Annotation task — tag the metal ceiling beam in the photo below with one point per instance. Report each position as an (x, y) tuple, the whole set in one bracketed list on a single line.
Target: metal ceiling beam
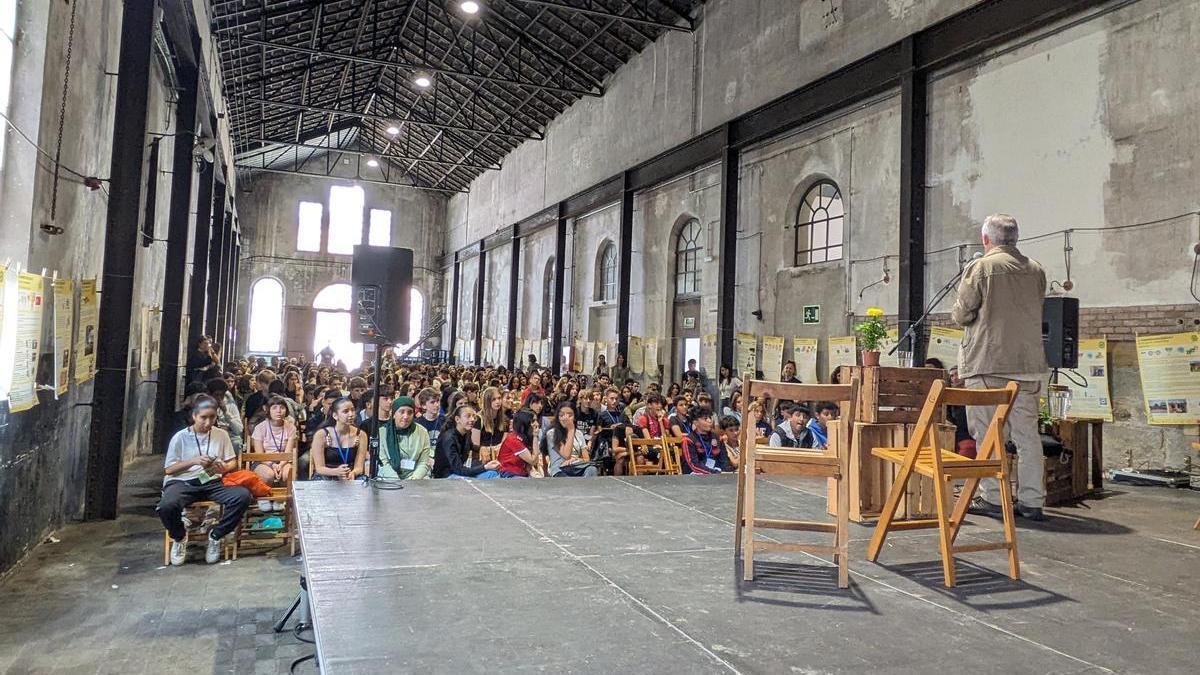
[(366, 60), (357, 179), (386, 118), (609, 15), (346, 151)]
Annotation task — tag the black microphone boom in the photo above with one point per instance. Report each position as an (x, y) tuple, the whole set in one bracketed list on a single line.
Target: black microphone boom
[(912, 327)]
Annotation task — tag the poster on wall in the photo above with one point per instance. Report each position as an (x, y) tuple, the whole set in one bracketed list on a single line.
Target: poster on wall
[(651, 358), (578, 347), (636, 355), (943, 345), (1170, 368), (544, 353), (746, 352), (1089, 397), (85, 339), (155, 337), (708, 355), (843, 351), (64, 317), (804, 353), (885, 346), (589, 357), (772, 357), (144, 343), (30, 301)]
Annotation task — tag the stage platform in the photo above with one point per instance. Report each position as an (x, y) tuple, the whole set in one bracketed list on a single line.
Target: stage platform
[(636, 575)]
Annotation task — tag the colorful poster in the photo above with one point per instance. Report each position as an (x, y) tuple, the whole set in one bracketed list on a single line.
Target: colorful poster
[(637, 362), (1089, 396), (30, 300), (1170, 368), (708, 355), (64, 318), (651, 357), (943, 345), (893, 336), (843, 351), (746, 352), (772, 357), (85, 339), (804, 353)]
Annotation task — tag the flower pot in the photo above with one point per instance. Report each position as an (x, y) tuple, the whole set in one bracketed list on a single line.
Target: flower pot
[(870, 358)]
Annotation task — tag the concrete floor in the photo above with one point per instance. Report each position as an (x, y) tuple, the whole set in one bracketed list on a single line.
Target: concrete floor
[(621, 575)]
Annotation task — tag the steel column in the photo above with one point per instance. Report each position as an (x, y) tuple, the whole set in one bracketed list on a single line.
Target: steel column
[(199, 283), (556, 323), (514, 290), (480, 288), (624, 267), (216, 236), (726, 329), (127, 175), (454, 302), (913, 127)]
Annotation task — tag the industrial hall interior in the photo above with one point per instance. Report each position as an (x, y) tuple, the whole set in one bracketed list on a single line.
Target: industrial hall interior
[(868, 329)]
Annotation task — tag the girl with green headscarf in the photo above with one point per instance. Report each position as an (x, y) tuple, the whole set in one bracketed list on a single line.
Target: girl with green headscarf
[(404, 448)]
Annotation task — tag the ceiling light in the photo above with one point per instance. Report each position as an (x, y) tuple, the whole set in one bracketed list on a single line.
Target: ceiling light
[(422, 80), (372, 162), (469, 7), (393, 130)]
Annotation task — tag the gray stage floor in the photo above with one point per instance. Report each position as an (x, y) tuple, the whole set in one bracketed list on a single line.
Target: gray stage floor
[(637, 575)]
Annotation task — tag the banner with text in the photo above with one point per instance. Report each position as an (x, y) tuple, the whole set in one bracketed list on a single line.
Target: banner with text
[(1170, 368)]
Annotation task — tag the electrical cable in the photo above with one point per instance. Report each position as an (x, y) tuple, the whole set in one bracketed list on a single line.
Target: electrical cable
[(302, 659), (47, 154)]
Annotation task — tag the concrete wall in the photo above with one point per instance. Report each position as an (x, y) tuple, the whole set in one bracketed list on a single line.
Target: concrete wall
[(269, 217)]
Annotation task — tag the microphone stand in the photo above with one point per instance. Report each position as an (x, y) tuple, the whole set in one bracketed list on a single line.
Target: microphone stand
[(942, 293)]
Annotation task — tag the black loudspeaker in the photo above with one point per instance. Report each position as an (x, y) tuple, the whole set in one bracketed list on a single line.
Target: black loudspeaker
[(1060, 331), (382, 278)]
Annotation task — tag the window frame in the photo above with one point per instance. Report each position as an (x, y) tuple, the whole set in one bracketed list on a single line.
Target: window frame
[(606, 273), (803, 257), (687, 260), (255, 310), (371, 227), (354, 240)]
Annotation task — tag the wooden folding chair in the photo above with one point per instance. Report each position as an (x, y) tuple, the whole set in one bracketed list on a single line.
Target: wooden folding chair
[(672, 449), (196, 512), (638, 448), (243, 534), (925, 457), (829, 463)]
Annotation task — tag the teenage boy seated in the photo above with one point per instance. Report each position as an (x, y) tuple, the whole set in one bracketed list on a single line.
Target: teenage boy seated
[(793, 432), (731, 430), (429, 412), (702, 451), (678, 420), (827, 413)]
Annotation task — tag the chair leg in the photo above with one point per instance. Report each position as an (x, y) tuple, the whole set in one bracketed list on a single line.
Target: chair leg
[(748, 519), (1010, 533), (738, 509), (166, 549), (843, 532), (1197, 525), (941, 488), (889, 511), (960, 507)]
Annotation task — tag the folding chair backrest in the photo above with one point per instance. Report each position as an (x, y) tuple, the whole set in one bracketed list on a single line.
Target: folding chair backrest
[(940, 395), (672, 449), (245, 459), (844, 395)]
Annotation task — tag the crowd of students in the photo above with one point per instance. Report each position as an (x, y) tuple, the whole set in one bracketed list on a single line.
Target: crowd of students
[(446, 422)]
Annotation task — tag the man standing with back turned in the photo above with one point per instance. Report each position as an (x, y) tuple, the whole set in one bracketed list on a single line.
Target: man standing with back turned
[(999, 306)]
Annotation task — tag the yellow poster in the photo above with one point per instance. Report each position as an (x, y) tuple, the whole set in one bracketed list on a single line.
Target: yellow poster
[(843, 351), (651, 357), (1089, 396), (772, 357), (893, 336), (85, 339), (30, 301), (64, 317), (943, 345), (804, 353), (637, 361), (708, 355), (746, 352), (1170, 369)]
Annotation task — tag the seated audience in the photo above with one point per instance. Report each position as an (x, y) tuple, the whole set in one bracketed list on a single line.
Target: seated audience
[(731, 430), (229, 418), (404, 447), (727, 383), (702, 451), (454, 448), (793, 432), (818, 426), (431, 417), (492, 424), (518, 451), (274, 435), (678, 419), (734, 409), (568, 448), (339, 449)]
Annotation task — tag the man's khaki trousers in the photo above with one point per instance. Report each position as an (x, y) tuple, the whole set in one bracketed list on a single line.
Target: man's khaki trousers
[(1022, 430)]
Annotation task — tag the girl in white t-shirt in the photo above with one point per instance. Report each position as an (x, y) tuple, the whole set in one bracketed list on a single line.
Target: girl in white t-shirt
[(276, 435)]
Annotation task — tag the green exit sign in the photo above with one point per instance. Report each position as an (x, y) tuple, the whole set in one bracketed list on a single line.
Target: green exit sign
[(812, 314)]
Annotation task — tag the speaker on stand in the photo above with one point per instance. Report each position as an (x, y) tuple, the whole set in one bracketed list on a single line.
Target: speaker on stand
[(1060, 340)]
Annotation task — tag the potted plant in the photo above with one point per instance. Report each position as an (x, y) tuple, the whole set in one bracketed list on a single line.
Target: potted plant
[(870, 335)]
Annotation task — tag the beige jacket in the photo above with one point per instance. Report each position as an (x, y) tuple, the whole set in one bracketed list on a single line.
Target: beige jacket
[(999, 306)]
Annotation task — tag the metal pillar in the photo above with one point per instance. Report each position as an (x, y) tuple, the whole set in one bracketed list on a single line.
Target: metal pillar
[(480, 288), (556, 324), (127, 175), (726, 329), (624, 267), (454, 301), (178, 229), (913, 127), (514, 289), (216, 236), (199, 285)]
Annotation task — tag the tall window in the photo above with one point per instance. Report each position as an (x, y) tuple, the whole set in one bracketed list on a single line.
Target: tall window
[(548, 298), (687, 258), (266, 317), (819, 222), (8, 32), (345, 219), (606, 273), (333, 325), (416, 321), (380, 232), (308, 231)]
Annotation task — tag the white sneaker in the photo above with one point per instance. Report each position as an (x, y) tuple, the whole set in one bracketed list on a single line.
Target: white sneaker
[(212, 554), (264, 505), (178, 552)]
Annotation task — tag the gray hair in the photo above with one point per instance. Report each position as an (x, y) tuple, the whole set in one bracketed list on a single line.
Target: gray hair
[(1001, 229)]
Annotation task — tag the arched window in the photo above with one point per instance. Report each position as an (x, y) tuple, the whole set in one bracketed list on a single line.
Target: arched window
[(332, 328), (345, 219), (548, 299), (416, 321), (819, 222), (687, 258), (266, 317), (606, 272)]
